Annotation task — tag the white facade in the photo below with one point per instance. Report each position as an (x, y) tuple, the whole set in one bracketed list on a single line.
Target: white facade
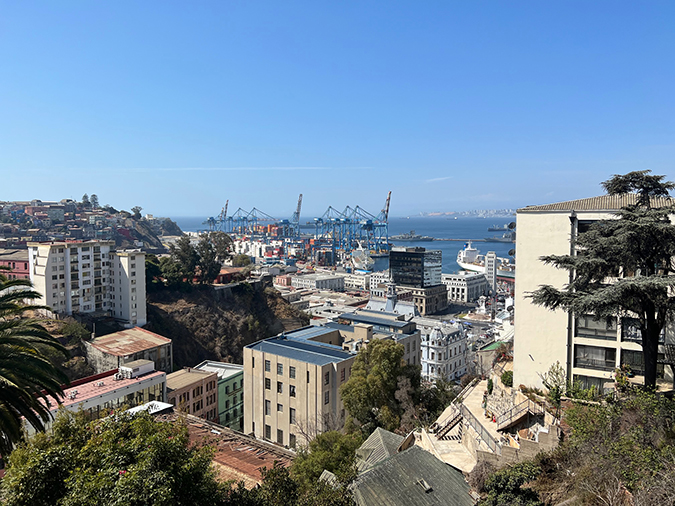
[(319, 282), (443, 354), (491, 269), (588, 350), (88, 277), (357, 281), (465, 286)]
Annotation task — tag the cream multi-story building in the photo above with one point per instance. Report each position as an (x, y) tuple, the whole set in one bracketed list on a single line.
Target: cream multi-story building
[(589, 350), (194, 391), (465, 286), (291, 385), (90, 277)]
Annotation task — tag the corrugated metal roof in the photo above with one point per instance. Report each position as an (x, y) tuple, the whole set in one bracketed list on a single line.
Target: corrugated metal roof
[(356, 317), (380, 445), (601, 203), (413, 476), (129, 341), (222, 369), (309, 332), (304, 351)]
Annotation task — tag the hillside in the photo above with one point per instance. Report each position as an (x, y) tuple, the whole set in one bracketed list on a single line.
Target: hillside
[(205, 324)]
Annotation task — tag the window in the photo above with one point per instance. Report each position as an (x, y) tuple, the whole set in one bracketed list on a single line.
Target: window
[(326, 397), (268, 408), (594, 357), (227, 389), (253, 362), (342, 374), (280, 387), (268, 432), (291, 390), (586, 326), (268, 384), (635, 359), (307, 376), (227, 404), (280, 369), (280, 408), (292, 415), (291, 440), (291, 372), (326, 378), (268, 366), (280, 436)]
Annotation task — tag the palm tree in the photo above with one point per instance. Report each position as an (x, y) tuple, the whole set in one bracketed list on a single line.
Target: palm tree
[(27, 378)]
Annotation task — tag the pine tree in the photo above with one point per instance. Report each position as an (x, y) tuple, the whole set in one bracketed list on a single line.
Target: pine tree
[(623, 266)]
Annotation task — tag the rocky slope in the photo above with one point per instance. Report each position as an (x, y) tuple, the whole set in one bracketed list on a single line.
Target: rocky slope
[(204, 325)]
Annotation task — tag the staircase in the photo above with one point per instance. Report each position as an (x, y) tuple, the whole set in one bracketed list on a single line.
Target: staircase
[(454, 420), (516, 413)]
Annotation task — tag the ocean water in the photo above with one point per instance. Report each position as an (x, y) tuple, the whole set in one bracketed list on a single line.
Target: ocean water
[(463, 228)]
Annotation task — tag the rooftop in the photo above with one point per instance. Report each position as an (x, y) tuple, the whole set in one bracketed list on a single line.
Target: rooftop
[(185, 377), (601, 203), (222, 369), (20, 255), (373, 320), (306, 333), (99, 385), (237, 457), (129, 341), (412, 476), (304, 351)]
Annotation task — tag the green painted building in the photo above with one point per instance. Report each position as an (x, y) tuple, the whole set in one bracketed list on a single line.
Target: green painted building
[(230, 392)]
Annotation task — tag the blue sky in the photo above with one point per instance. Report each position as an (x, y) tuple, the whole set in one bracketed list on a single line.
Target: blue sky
[(178, 106)]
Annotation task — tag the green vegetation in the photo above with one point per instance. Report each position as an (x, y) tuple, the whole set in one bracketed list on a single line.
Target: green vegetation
[(137, 460), (635, 250), (614, 453), (490, 386), (332, 451), (27, 376), (507, 378), (119, 459), (241, 260), (383, 391), (506, 486)]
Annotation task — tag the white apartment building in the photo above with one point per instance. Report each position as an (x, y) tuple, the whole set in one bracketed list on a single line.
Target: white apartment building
[(357, 281), (89, 277), (589, 350), (319, 282), (465, 286)]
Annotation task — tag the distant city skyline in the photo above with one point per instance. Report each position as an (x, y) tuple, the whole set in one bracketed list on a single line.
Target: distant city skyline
[(452, 106)]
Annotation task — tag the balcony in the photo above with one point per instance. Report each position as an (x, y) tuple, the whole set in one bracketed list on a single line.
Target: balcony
[(591, 363)]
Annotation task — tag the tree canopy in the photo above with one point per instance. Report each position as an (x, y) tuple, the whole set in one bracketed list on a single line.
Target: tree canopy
[(332, 451), (121, 459), (370, 394), (623, 266)]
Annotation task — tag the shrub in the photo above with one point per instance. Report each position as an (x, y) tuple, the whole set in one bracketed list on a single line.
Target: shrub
[(507, 378), (490, 386)]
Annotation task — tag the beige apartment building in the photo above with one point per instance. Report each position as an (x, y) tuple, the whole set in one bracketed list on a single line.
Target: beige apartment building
[(589, 350), (291, 385), (90, 277), (195, 392)]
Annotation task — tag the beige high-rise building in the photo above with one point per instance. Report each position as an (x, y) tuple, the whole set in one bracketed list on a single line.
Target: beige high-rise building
[(589, 350), (291, 385), (90, 277)]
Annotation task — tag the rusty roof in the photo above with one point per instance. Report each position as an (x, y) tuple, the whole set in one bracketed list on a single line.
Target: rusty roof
[(237, 456), (601, 203), (129, 341)]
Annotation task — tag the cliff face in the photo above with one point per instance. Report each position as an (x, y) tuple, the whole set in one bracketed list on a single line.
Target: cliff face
[(206, 324)]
